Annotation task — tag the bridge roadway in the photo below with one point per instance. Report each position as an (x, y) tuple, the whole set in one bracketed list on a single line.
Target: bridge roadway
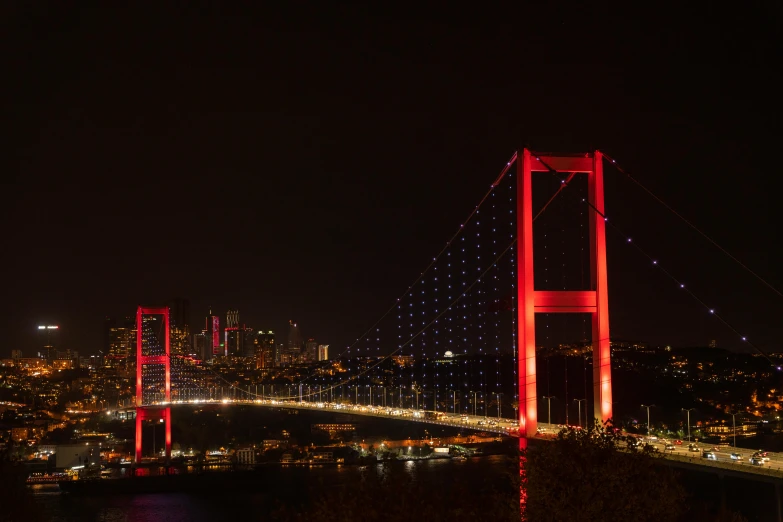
[(771, 470), (499, 425)]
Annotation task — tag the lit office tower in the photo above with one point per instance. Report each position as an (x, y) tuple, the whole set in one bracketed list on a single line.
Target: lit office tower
[(323, 352), (212, 330), (179, 313), (294, 338), (49, 340), (266, 355), (113, 332), (239, 341), (179, 339), (122, 345), (248, 338), (311, 350), (238, 338), (201, 346), (292, 352)]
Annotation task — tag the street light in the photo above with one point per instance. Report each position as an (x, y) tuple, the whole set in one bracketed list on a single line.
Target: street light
[(734, 428), (580, 401), (689, 410), (499, 394), (648, 417), (549, 409)]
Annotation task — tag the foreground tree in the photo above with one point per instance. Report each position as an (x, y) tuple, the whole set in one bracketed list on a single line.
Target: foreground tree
[(16, 501), (598, 474)]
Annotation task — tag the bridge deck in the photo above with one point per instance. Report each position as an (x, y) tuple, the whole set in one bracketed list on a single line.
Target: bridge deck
[(770, 471)]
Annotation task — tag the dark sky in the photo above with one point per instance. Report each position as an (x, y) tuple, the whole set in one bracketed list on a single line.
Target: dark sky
[(306, 163)]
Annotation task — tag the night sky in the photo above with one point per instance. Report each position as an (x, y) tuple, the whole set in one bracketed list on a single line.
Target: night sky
[(306, 163)]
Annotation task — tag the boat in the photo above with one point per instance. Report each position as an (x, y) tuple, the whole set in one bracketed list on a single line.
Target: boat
[(459, 457)]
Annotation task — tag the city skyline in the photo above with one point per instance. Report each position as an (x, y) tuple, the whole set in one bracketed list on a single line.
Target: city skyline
[(292, 168)]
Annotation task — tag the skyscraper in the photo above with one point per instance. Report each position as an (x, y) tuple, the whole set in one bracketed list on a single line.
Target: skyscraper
[(202, 346), (179, 313), (112, 328), (179, 317), (212, 330), (122, 345), (311, 351), (49, 339), (238, 338), (266, 353), (323, 352), (293, 348)]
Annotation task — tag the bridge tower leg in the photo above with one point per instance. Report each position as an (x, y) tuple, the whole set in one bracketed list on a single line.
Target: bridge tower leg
[(157, 412), (530, 301), (602, 361)]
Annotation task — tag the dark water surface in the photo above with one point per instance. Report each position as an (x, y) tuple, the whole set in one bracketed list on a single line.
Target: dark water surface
[(237, 498)]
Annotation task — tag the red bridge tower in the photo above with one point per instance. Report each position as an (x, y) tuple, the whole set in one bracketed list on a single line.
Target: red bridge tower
[(531, 301), (157, 412)]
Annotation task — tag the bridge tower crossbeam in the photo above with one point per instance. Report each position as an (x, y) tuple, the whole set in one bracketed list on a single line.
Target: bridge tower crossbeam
[(531, 301)]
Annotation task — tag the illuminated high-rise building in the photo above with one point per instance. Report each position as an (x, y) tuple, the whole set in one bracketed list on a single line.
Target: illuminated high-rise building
[(293, 347), (119, 340), (201, 345), (323, 352), (179, 317), (311, 351), (179, 313), (239, 341), (122, 345), (266, 352), (49, 334), (212, 329), (180, 340), (238, 338)]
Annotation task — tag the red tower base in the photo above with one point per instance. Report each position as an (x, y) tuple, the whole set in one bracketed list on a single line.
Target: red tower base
[(154, 413)]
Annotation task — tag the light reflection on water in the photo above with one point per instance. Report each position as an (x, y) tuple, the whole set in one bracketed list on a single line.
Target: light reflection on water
[(226, 504)]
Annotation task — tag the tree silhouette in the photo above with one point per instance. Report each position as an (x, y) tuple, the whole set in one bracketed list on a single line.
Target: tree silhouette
[(598, 474)]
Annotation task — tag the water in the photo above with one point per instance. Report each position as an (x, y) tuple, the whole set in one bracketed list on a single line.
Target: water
[(294, 487), (477, 483)]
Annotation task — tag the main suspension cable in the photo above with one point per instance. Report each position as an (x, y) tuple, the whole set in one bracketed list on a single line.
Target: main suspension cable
[(655, 263), (694, 227)]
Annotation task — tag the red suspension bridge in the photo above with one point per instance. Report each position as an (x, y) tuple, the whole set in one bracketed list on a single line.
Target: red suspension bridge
[(459, 346)]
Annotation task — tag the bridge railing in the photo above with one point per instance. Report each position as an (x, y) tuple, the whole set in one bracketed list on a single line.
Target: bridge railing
[(771, 470)]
